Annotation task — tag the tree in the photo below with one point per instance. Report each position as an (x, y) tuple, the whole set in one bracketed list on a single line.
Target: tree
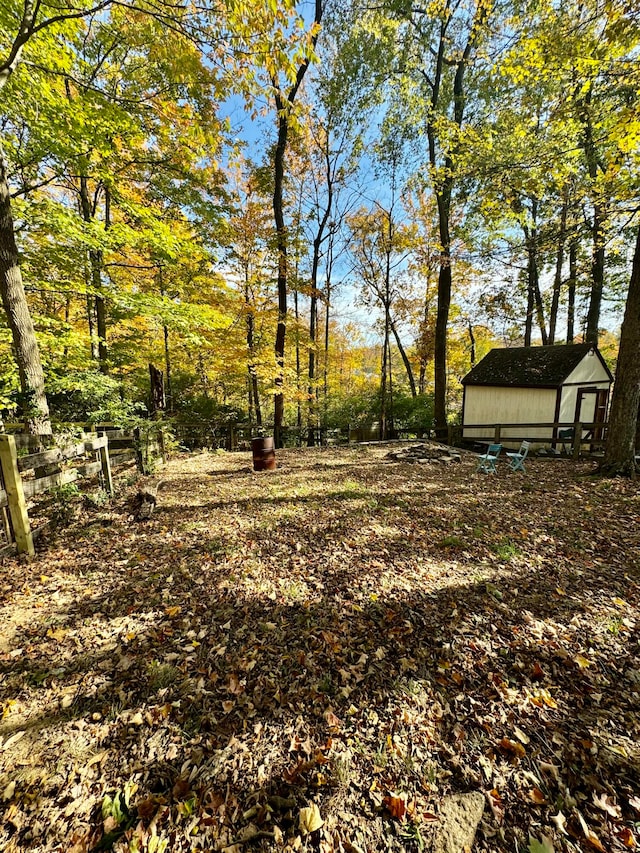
[(380, 246), (14, 301), (253, 260), (442, 42), (284, 96), (619, 454)]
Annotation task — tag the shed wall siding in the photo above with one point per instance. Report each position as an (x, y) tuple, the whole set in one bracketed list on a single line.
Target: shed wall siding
[(589, 370), (494, 405)]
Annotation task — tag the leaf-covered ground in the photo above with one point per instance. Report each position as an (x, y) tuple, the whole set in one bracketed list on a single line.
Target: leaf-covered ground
[(312, 659)]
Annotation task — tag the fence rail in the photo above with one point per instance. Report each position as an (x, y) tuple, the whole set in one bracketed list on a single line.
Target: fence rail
[(576, 434), (56, 460)]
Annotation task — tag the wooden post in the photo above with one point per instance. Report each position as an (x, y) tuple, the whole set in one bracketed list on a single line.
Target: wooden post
[(105, 461), (496, 433), (15, 495), (577, 439)]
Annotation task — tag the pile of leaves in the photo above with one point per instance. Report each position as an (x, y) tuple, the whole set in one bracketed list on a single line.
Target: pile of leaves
[(316, 658)]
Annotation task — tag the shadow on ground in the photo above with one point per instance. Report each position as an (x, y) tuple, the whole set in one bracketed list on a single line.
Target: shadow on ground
[(334, 639)]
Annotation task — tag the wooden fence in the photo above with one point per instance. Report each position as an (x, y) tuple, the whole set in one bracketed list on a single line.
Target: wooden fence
[(23, 477), (574, 435), (27, 470)]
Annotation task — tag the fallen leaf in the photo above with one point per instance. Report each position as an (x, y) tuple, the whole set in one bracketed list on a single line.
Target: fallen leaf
[(57, 634), (561, 822), (537, 672), (607, 804), (512, 747), (67, 700), (13, 739), (181, 789), (536, 796), (332, 721), (310, 819), (582, 661), (396, 806), (626, 836), (590, 835), (148, 807)]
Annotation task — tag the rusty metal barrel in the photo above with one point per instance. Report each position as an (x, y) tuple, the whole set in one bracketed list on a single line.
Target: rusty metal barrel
[(264, 454)]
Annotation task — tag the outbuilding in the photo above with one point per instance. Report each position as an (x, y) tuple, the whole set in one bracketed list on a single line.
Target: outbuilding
[(524, 389)]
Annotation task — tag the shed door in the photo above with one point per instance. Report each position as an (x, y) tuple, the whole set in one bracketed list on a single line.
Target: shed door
[(591, 408)]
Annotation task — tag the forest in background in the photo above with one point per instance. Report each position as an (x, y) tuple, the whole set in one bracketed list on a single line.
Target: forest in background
[(306, 215)]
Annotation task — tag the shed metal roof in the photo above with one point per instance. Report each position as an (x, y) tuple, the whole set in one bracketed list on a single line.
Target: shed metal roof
[(542, 367)]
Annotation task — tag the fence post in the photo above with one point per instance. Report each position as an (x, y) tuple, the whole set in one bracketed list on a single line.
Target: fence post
[(577, 439), (105, 462), (497, 429), (15, 495)]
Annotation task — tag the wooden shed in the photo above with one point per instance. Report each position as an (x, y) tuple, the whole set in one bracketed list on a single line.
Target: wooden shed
[(535, 386)]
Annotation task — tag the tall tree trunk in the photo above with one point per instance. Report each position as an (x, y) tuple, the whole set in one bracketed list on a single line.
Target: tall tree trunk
[(424, 347), (281, 245), (284, 105), (87, 208), (619, 454), (312, 414), (598, 224), (557, 279), (597, 273), (91, 323), (472, 343), (390, 431), (440, 348), (528, 323), (382, 427), (254, 392), (167, 354), (534, 296), (422, 377), (443, 192), (298, 372), (571, 289), (327, 307), (158, 399), (14, 301), (405, 360)]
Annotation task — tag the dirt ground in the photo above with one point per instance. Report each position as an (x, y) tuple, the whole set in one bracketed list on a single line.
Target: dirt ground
[(316, 658)]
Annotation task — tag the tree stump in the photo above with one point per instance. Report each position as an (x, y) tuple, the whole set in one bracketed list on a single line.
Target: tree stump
[(145, 501)]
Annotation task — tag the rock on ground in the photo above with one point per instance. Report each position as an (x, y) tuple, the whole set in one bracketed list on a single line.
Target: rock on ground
[(460, 815)]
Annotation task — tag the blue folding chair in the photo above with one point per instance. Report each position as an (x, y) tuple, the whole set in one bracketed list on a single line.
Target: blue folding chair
[(516, 460), (487, 461)]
